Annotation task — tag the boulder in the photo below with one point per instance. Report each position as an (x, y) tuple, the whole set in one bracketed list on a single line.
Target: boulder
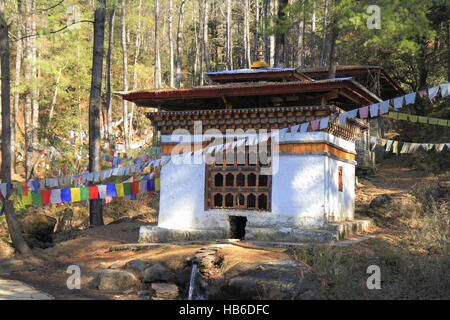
[(382, 201), (10, 265), (275, 280), (116, 280), (6, 251), (164, 291), (38, 229), (158, 272), (136, 265)]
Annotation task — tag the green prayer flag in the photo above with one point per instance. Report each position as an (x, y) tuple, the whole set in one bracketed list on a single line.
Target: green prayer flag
[(84, 193), (423, 119), (36, 197), (393, 115), (402, 116), (433, 120), (127, 188), (412, 118)]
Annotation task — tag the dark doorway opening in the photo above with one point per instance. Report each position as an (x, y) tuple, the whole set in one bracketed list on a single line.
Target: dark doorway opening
[(237, 227)]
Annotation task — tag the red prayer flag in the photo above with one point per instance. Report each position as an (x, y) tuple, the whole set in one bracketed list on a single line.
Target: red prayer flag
[(135, 187), (25, 188), (46, 196), (93, 193)]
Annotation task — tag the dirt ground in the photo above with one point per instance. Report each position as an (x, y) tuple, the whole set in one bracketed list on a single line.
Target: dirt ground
[(91, 250)]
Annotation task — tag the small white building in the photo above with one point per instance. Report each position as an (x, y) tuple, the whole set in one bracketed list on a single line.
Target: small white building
[(294, 187)]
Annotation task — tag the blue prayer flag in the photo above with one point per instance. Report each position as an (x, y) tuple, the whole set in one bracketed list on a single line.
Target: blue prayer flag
[(65, 195), (150, 185), (111, 190)]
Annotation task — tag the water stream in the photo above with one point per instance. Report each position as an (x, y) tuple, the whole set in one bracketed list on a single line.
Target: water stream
[(192, 282)]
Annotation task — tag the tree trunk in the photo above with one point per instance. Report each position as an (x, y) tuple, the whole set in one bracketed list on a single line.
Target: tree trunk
[(265, 36), (157, 48), (136, 55), (171, 52), (272, 38), (55, 95), (35, 91), (18, 67), (11, 220), (448, 50), (257, 26), (324, 30), (205, 35), (332, 59), (125, 77), (109, 132), (96, 207), (200, 50), (229, 37), (279, 50), (313, 36), (247, 58), (179, 44), (28, 126)]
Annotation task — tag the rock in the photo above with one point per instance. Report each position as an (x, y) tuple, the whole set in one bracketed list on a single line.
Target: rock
[(128, 291), (38, 230), (182, 276), (275, 280), (136, 265), (6, 250), (116, 280), (164, 291), (8, 265), (116, 265), (381, 202), (158, 272)]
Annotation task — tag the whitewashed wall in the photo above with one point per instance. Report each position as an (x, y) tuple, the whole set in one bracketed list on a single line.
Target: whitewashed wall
[(304, 192)]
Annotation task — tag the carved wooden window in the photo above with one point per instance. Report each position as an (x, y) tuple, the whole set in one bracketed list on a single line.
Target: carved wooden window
[(238, 182)]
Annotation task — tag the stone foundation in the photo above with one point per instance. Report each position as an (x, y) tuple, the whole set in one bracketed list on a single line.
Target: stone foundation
[(328, 233)]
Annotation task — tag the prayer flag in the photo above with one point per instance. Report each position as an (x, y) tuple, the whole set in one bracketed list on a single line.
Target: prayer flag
[(364, 112), (432, 92), (93, 192), (127, 188), (324, 122), (150, 185), (111, 189), (65, 195), (374, 110), (398, 103), (119, 190), (410, 98), (36, 198), (75, 194), (384, 107), (102, 192), (46, 196), (84, 193), (55, 196), (315, 124), (157, 184), (135, 188)]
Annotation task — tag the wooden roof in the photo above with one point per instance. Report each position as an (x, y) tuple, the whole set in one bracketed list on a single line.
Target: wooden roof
[(389, 88), (260, 74), (342, 92)]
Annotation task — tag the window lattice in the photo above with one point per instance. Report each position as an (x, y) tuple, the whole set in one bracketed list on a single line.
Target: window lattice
[(238, 183)]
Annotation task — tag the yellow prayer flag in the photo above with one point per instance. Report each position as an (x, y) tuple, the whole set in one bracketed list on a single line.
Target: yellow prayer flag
[(157, 184), (26, 199), (75, 193), (119, 190)]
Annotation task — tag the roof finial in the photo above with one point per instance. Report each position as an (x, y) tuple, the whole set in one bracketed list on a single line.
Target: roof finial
[(259, 65)]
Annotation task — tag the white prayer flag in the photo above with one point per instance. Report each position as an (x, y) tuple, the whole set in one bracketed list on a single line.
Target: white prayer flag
[(410, 98), (384, 107), (374, 110), (304, 127), (445, 90), (55, 196), (398, 103), (432, 92), (324, 122), (342, 118)]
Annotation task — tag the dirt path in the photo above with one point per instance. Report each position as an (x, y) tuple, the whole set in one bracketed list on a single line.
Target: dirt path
[(17, 290)]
